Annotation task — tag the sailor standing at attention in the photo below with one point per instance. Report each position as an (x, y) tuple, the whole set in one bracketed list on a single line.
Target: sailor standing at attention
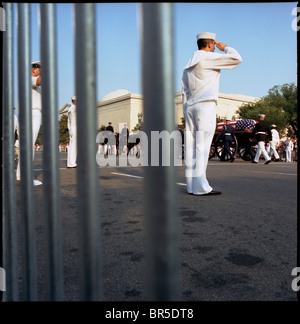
[(289, 146), (200, 92), (262, 131), (36, 111), (274, 142), (72, 126)]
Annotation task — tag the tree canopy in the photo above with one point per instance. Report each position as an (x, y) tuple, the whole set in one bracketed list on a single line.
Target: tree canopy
[(279, 106), (63, 130)]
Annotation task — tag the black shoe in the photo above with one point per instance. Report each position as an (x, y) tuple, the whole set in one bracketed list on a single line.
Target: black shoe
[(254, 161), (72, 167), (213, 192), (231, 160), (277, 160), (269, 161)]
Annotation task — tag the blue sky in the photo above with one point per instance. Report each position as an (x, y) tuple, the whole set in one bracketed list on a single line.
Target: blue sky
[(261, 32)]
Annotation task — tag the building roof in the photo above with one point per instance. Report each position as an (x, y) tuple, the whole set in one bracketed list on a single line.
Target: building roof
[(64, 109), (114, 94)]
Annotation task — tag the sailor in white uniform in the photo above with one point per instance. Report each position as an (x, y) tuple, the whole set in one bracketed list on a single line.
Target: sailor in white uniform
[(72, 126), (289, 146), (200, 92), (274, 143), (36, 111)]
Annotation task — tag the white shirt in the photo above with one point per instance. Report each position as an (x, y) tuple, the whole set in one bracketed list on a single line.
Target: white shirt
[(275, 136), (201, 75), (36, 94), (289, 146), (72, 115)]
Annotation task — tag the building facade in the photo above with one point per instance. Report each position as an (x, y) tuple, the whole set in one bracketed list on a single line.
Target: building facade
[(123, 107)]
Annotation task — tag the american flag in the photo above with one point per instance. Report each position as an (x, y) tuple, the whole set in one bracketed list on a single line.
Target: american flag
[(241, 124)]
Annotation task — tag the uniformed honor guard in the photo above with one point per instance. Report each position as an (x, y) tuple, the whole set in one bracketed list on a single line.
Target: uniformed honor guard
[(200, 92), (274, 143), (262, 132), (72, 126), (227, 136), (36, 111), (289, 146)]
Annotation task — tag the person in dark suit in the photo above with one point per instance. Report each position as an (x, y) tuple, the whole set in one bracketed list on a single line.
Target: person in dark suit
[(262, 132), (227, 136), (110, 141)]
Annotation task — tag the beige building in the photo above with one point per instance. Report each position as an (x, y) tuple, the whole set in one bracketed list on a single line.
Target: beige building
[(64, 110), (123, 107)]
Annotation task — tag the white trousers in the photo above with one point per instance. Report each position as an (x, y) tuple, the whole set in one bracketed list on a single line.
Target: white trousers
[(36, 124), (72, 151), (288, 155), (273, 150), (200, 128), (261, 150)]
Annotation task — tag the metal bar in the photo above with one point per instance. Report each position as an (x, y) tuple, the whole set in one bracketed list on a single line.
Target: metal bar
[(87, 172), (160, 182), (26, 153), (10, 236), (52, 212)]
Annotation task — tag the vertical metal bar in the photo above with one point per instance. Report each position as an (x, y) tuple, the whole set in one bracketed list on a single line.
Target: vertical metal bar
[(160, 182), (88, 177), (26, 153), (10, 236), (54, 267)]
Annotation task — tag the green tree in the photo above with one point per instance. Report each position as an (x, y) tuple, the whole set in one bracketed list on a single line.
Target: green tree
[(279, 106), (101, 128), (63, 130), (138, 127)]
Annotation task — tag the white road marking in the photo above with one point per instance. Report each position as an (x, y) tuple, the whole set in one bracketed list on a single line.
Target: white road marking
[(139, 177), (127, 175)]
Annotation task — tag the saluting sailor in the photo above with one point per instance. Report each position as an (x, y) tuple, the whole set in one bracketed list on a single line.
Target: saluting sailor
[(200, 93), (228, 137), (72, 126), (274, 143), (36, 111), (262, 132)]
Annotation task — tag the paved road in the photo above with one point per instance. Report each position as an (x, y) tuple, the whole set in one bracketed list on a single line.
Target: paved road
[(239, 246)]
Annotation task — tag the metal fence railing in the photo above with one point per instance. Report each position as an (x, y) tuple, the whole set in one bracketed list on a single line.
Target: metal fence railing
[(158, 90)]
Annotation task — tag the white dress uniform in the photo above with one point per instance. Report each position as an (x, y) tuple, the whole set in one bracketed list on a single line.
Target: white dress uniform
[(275, 142), (200, 92), (36, 120), (288, 150), (72, 126)]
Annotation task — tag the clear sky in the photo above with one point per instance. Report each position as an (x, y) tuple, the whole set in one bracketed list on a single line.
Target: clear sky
[(261, 32)]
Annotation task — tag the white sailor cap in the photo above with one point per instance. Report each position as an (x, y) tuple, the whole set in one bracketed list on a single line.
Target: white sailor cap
[(273, 126), (227, 119), (262, 115), (206, 35), (73, 98), (36, 64)]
